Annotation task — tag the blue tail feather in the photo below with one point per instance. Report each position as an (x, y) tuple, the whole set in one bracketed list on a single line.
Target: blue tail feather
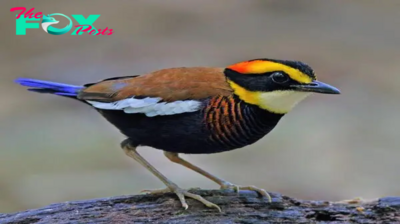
[(42, 86)]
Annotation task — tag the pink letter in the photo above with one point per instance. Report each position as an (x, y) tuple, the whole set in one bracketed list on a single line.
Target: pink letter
[(85, 30), (18, 8), (111, 32), (29, 13), (104, 31), (38, 15)]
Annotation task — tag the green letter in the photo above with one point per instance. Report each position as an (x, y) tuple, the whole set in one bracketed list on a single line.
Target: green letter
[(21, 25)]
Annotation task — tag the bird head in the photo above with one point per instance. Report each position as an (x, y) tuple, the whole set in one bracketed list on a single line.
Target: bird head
[(275, 85)]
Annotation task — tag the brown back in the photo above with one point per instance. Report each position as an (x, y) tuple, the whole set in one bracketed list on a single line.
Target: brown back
[(170, 84)]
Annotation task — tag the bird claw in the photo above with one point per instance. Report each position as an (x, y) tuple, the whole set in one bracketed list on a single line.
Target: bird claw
[(237, 188), (181, 193), (230, 186)]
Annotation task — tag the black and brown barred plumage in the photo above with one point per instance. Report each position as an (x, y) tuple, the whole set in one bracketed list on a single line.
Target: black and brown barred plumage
[(231, 123), (196, 110)]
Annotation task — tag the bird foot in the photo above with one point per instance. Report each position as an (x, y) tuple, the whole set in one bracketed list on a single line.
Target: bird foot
[(181, 193), (237, 188)]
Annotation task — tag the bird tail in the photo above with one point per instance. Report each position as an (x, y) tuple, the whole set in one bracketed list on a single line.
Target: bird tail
[(41, 86)]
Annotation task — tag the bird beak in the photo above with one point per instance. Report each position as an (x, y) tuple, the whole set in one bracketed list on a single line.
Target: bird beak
[(317, 87)]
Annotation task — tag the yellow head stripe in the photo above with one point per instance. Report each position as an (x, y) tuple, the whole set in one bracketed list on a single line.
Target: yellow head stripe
[(279, 102), (244, 94), (260, 67)]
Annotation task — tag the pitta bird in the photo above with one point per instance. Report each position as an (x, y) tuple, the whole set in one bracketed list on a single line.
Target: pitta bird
[(195, 110)]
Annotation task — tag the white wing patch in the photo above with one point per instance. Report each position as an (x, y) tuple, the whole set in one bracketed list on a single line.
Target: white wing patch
[(150, 106)]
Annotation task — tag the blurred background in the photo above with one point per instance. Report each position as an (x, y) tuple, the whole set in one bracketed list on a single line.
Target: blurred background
[(54, 149)]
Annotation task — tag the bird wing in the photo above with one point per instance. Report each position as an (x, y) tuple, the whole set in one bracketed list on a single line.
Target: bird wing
[(163, 92)]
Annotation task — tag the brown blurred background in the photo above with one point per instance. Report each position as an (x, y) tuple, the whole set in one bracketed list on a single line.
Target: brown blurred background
[(54, 149)]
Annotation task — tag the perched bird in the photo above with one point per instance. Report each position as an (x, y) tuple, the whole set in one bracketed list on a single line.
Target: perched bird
[(195, 110)]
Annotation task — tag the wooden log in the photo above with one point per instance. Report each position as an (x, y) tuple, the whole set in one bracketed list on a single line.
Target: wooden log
[(246, 207)]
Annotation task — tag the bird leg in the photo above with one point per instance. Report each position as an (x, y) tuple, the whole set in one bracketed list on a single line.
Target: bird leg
[(171, 187), (174, 157)]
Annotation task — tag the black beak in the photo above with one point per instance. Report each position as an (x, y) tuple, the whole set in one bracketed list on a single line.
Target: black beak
[(317, 87)]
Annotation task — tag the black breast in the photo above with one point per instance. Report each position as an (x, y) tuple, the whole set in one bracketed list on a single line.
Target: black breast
[(224, 123)]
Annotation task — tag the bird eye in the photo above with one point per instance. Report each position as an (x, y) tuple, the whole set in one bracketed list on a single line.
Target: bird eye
[(279, 77)]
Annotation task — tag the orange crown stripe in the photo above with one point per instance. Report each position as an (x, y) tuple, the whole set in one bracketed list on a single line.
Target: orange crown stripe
[(260, 67)]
